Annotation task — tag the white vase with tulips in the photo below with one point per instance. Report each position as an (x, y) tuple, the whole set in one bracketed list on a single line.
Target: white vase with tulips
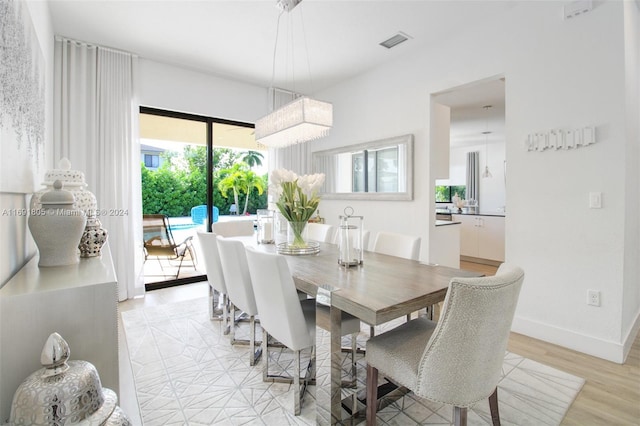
[(297, 199)]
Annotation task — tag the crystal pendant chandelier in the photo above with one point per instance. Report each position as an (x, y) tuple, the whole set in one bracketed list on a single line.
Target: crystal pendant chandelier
[(301, 120), (486, 133)]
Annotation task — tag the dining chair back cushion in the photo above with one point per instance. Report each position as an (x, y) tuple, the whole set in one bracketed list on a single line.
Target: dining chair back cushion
[(365, 238), (234, 228), (321, 232), (280, 310), (233, 259), (399, 245), (213, 267), (462, 361)]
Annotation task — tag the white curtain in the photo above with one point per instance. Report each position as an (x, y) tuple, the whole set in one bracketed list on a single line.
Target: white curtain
[(294, 158), (473, 175), (327, 164), (95, 125)]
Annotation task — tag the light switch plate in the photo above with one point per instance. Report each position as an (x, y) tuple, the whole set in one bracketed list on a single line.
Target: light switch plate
[(595, 200)]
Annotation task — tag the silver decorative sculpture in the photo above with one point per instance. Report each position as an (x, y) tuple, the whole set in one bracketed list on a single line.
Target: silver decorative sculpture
[(64, 393)]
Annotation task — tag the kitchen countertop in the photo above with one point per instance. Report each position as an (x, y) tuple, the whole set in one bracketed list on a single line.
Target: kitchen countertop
[(446, 222), (480, 213)]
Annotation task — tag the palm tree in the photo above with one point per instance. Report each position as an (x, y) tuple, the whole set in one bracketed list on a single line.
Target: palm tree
[(234, 180), (251, 180), (240, 180), (252, 158)]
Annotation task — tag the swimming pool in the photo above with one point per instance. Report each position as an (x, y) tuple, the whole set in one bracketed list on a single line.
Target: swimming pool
[(182, 226)]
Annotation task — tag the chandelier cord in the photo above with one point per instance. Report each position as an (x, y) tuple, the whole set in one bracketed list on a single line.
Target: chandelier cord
[(304, 40), (273, 69)]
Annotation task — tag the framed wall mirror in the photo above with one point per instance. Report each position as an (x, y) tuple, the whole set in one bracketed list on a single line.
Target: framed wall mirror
[(377, 170)]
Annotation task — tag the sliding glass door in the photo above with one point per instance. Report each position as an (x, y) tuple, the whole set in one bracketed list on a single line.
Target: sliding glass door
[(182, 159)]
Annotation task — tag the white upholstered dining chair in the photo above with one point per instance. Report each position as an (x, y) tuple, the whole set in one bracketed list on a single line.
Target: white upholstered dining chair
[(238, 281), (291, 321), (234, 228), (399, 245), (321, 232), (458, 360), (365, 238), (218, 300)]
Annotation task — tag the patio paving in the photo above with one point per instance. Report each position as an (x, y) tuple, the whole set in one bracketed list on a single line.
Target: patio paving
[(159, 270)]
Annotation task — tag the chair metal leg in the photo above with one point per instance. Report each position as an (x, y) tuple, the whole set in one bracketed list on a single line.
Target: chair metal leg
[(232, 319), (252, 341), (460, 416), (254, 355), (372, 395), (225, 313), (265, 363), (218, 310), (493, 407), (296, 385)]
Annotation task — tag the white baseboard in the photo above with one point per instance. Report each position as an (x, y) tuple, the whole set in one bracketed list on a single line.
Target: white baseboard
[(605, 349), (631, 336)]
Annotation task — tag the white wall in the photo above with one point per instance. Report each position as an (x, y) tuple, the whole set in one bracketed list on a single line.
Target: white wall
[(631, 290), (178, 89), (558, 74), (15, 239)]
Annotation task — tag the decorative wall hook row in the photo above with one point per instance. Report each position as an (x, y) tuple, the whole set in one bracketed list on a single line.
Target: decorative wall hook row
[(560, 139)]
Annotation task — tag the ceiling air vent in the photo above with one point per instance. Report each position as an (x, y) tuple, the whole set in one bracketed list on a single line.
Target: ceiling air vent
[(395, 40)]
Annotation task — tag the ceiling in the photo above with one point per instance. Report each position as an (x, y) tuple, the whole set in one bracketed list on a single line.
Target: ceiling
[(320, 42)]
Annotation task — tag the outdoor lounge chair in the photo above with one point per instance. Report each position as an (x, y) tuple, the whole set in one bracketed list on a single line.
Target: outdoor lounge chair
[(199, 214), (159, 242)]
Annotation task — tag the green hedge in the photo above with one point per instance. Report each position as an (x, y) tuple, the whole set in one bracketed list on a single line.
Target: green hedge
[(179, 185)]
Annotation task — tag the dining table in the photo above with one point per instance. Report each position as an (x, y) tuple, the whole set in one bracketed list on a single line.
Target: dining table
[(380, 289)]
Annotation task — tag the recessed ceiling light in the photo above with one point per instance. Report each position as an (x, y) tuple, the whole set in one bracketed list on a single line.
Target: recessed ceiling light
[(395, 40)]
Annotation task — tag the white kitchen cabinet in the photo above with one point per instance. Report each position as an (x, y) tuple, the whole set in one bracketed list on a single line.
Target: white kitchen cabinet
[(80, 302), (481, 236)]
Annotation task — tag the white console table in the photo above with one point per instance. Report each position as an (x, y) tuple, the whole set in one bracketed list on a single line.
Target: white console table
[(80, 302)]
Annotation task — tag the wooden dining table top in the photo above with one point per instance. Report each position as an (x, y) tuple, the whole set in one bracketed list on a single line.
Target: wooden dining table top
[(381, 289)]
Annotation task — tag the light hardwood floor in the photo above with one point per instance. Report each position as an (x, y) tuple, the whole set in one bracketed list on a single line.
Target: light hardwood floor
[(611, 394)]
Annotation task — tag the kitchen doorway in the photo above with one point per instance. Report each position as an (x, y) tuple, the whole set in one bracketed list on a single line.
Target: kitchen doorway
[(470, 119)]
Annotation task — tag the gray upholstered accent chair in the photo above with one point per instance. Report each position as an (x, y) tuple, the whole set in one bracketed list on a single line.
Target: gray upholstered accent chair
[(238, 281), (457, 360), (218, 300), (291, 321)]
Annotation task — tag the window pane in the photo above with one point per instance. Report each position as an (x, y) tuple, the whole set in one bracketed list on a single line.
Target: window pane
[(358, 172), (460, 190), (443, 194), (387, 170)]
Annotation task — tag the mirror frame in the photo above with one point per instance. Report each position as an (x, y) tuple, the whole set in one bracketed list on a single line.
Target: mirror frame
[(406, 140)]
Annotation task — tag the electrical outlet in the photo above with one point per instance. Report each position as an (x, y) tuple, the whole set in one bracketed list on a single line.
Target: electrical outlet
[(593, 297)]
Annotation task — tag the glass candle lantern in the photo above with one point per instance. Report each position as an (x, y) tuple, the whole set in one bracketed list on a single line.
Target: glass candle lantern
[(266, 226), (350, 239)]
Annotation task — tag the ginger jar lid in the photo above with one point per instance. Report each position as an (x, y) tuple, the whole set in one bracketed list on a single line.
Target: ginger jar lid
[(64, 174), (57, 196)]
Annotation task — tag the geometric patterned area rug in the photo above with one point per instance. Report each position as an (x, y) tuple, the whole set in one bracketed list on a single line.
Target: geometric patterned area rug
[(187, 373)]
